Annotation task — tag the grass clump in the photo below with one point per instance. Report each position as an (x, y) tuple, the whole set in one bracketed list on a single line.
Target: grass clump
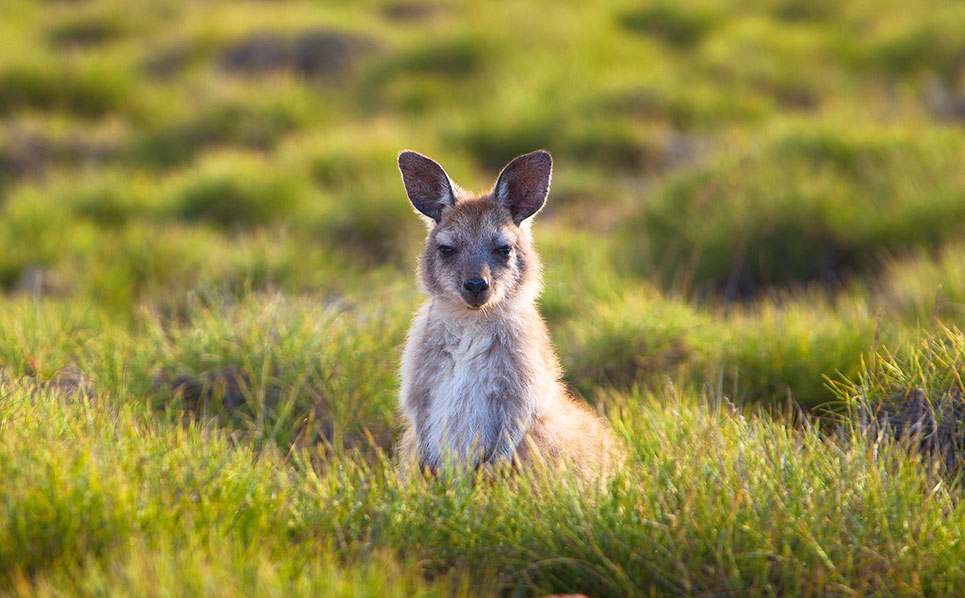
[(934, 363), (835, 204), (677, 26), (86, 30), (769, 352), (89, 90), (290, 364), (425, 74), (929, 45), (789, 351), (926, 287), (916, 392), (244, 123), (359, 207), (641, 338), (444, 57), (35, 233), (231, 190), (32, 146)]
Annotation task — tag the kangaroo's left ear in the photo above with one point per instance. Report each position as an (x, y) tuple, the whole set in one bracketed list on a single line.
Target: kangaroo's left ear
[(523, 185)]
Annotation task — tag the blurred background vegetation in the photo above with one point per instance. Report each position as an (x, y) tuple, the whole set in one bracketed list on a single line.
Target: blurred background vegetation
[(200, 210), (739, 191)]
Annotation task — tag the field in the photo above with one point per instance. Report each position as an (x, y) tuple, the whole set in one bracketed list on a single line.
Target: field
[(753, 245)]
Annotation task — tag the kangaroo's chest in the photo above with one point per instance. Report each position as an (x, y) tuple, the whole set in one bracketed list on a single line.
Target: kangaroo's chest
[(470, 394)]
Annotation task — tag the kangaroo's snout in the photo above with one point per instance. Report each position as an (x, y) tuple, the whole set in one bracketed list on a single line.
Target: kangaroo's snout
[(475, 285), (476, 291)]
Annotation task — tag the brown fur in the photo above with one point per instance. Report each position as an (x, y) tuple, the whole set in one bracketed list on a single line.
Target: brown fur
[(480, 380)]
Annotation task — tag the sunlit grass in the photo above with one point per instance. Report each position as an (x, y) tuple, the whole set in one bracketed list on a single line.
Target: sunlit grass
[(756, 507)]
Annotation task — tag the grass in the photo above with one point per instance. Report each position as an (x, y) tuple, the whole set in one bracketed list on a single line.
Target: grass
[(206, 277), (808, 205), (792, 508)]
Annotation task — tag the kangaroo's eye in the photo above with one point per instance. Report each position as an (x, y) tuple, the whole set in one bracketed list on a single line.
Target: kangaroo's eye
[(504, 250), (446, 250)]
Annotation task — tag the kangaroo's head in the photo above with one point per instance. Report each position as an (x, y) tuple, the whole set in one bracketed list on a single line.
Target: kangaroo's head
[(479, 252)]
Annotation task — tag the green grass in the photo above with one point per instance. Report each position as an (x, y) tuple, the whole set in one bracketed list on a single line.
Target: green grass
[(807, 205), (117, 492), (207, 273)]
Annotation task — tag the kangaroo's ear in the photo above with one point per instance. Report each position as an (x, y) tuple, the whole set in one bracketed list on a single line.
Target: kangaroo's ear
[(523, 185), (428, 186)]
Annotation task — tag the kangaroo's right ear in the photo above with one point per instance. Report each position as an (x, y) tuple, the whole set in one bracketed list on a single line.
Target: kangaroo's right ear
[(428, 186)]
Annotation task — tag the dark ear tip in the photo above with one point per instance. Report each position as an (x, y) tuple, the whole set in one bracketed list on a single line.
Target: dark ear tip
[(408, 156), (543, 157)]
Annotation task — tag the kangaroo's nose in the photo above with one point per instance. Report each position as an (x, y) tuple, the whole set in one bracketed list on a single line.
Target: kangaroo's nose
[(475, 285)]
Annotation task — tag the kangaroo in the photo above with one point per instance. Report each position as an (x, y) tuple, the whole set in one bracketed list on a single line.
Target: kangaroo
[(480, 382)]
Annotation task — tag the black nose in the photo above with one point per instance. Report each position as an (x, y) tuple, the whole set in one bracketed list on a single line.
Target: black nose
[(475, 285)]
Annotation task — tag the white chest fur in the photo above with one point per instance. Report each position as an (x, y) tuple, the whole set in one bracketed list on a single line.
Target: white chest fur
[(466, 387), (461, 417)]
